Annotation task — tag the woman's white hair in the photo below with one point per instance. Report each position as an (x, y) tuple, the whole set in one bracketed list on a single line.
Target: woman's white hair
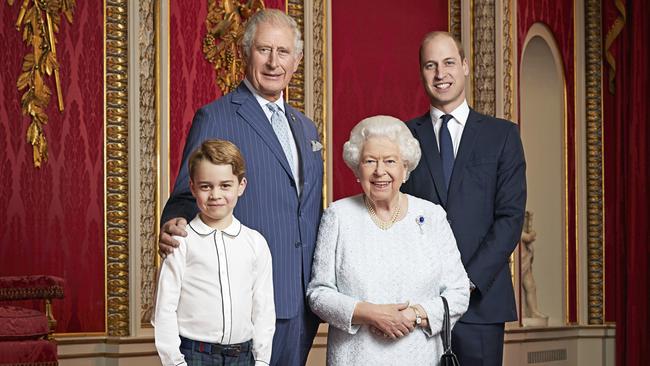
[(382, 126), (274, 17)]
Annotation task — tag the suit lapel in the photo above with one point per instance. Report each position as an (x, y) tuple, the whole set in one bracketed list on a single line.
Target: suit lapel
[(301, 142), (251, 112), (429, 146), (467, 141)]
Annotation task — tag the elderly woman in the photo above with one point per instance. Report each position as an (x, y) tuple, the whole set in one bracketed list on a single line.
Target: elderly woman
[(383, 259)]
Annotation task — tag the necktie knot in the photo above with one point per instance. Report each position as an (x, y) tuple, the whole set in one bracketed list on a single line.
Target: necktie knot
[(446, 118), (273, 107)]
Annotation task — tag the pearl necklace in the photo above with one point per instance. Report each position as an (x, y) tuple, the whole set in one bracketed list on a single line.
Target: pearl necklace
[(384, 225)]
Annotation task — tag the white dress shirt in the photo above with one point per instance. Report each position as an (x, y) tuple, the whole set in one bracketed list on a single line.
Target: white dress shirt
[(216, 287), (280, 103), (455, 125)]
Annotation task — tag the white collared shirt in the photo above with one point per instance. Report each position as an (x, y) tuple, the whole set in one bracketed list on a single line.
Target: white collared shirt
[(280, 103), (456, 125), (216, 287)]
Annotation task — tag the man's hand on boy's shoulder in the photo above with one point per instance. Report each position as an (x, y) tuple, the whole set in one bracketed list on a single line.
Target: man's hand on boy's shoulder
[(166, 243)]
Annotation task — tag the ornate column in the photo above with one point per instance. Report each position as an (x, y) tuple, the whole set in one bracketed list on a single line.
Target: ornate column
[(117, 167), (148, 155), (483, 55), (593, 100)]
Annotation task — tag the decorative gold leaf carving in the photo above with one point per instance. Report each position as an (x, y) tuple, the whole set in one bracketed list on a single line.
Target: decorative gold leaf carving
[(117, 167), (39, 20), (611, 36), (595, 194), (149, 151), (225, 28), (484, 55), (296, 90), (508, 61), (455, 19)]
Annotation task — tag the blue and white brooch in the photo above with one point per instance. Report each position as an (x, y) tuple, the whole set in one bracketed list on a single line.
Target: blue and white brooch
[(420, 221)]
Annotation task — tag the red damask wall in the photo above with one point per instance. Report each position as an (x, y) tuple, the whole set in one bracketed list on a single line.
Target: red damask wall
[(558, 16), (192, 83), (192, 79), (375, 68), (52, 218)]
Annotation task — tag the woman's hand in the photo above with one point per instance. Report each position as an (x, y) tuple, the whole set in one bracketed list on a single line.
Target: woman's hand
[(387, 319), (409, 314)]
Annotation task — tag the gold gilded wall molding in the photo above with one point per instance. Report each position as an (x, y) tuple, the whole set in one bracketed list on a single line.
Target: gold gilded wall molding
[(296, 89), (320, 82), (320, 73), (225, 27), (595, 199), (484, 58), (455, 19), (148, 158), (116, 168), (40, 20), (508, 61)]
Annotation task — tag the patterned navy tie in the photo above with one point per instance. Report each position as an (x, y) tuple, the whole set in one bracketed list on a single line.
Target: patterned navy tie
[(446, 149), (280, 126)]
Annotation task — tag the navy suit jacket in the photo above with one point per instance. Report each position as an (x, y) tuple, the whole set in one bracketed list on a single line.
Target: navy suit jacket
[(485, 205), (270, 204)]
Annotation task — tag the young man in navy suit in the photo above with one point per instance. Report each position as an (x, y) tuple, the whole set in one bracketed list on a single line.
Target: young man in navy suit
[(473, 165), (283, 199)]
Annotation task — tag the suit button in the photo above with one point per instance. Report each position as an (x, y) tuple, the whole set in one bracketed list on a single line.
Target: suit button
[(449, 221), (293, 184), (298, 244)]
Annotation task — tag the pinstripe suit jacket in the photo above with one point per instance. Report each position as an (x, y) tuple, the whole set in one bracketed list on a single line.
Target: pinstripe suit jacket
[(270, 204)]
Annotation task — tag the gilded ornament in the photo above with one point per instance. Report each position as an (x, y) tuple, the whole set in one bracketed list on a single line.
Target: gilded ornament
[(117, 167), (40, 20), (225, 25), (612, 34), (595, 197)]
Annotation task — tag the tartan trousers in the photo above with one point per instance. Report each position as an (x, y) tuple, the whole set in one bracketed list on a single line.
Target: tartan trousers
[(205, 354)]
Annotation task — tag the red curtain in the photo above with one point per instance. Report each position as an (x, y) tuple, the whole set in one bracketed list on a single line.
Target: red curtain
[(627, 201)]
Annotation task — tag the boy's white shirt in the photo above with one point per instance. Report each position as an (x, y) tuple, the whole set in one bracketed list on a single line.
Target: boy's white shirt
[(216, 287)]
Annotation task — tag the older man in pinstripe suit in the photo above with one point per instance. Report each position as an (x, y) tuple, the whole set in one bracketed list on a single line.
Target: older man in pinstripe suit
[(283, 199)]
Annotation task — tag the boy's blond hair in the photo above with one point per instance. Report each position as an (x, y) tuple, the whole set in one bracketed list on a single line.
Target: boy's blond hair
[(220, 152)]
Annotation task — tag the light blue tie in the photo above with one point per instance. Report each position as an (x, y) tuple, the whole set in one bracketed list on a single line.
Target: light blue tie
[(281, 128), (446, 149)]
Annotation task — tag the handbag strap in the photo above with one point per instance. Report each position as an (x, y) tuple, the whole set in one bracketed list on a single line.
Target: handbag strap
[(446, 328)]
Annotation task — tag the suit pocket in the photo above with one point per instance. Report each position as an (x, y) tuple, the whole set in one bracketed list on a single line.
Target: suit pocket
[(482, 171), (482, 160)]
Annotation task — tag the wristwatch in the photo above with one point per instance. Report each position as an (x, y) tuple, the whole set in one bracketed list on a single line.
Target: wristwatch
[(418, 318)]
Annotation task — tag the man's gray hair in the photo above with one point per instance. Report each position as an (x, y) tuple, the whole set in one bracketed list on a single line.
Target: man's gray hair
[(274, 17), (382, 126)]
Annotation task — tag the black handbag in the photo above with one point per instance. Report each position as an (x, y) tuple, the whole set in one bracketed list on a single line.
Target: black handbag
[(448, 357)]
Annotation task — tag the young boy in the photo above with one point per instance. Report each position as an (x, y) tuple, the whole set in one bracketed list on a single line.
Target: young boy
[(215, 293)]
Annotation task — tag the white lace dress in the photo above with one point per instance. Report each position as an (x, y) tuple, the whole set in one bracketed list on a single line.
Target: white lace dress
[(415, 260)]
